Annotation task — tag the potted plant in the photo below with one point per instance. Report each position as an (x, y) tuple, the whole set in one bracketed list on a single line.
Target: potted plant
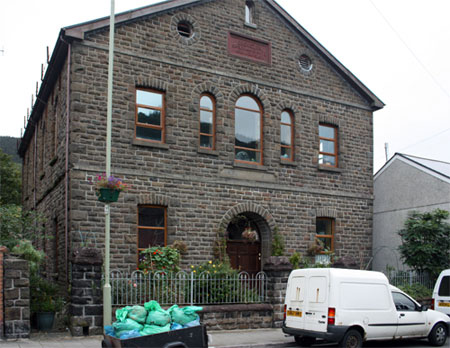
[(108, 188), (45, 301)]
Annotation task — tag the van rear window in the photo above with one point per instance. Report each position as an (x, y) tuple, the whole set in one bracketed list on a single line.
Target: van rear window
[(444, 288)]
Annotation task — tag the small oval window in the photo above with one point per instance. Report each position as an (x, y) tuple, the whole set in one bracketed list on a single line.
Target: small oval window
[(305, 62), (184, 29)]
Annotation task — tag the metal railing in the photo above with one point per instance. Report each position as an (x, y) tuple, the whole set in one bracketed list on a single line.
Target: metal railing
[(186, 288), (399, 278)]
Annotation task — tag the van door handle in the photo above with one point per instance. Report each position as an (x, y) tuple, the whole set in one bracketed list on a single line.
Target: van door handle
[(308, 313), (402, 314)]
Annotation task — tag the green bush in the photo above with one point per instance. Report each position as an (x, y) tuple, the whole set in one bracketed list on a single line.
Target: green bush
[(218, 282), (159, 258), (44, 295), (416, 290)]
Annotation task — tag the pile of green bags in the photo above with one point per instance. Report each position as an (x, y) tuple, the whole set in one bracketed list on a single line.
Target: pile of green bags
[(134, 321)]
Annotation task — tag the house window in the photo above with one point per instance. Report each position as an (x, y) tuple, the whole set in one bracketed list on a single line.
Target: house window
[(152, 226), (249, 12), (207, 122), (325, 234), (150, 115), (248, 130), (328, 145), (287, 136)]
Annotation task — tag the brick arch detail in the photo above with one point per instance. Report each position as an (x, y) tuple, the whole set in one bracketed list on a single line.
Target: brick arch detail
[(326, 212), (253, 90), (261, 217), (286, 105), (150, 82), (206, 87), (154, 199), (322, 118), (247, 208)]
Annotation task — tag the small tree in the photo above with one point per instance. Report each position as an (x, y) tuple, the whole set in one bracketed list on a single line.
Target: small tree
[(426, 241), (10, 180), (16, 225)]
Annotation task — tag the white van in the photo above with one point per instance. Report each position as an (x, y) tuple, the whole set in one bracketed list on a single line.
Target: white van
[(441, 293), (350, 306)]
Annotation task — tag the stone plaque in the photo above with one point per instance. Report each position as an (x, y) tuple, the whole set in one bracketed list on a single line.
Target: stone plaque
[(249, 48)]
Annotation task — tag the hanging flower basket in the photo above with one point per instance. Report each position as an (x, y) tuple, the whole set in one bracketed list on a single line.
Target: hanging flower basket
[(108, 195), (108, 189)]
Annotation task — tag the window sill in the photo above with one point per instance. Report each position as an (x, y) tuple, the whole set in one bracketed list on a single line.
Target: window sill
[(249, 166), (288, 163), (251, 25), (207, 152), (144, 143), (329, 168)]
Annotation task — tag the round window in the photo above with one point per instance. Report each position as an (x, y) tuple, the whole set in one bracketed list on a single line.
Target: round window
[(305, 63), (184, 29)]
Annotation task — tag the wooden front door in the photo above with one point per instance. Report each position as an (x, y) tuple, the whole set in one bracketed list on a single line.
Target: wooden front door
[(244, 255)]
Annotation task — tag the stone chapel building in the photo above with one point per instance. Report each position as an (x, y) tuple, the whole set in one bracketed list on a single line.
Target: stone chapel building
[(226, 115)]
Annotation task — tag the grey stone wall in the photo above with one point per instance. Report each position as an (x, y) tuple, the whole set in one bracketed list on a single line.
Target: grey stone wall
[(16, 287), (86, 301), (199, 188)]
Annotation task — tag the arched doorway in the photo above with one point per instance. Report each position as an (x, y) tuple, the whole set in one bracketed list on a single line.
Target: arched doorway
[(244, 242)]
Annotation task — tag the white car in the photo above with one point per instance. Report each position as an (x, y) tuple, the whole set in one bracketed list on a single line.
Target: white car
[(417, 321)]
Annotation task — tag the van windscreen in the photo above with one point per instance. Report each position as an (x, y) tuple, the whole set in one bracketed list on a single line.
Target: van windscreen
[(444, 288)]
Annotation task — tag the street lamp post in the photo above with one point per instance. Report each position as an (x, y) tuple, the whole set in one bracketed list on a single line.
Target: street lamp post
[(107, 287)]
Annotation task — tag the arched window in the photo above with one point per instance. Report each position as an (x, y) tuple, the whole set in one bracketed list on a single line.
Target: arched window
[(207, 136), (248, 130), (287, 136), (249, 12)]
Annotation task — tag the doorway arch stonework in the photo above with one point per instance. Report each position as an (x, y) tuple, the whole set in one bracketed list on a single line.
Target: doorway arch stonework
[(260, 216)]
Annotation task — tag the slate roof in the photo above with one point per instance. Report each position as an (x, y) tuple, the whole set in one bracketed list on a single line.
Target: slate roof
[(436, 168)]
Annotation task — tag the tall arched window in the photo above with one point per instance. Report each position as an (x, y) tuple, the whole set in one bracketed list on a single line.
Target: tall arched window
[(248, 130), (207, 122), (249, 12), (287, 136)]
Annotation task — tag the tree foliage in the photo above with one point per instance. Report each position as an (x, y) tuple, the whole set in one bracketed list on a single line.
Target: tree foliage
[(426, 241), (10, 180), (16, 225)]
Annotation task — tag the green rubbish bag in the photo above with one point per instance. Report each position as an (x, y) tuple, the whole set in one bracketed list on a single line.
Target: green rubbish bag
[(156, 315), (154, 329), (184, 315), (126, 325), (137, 313)]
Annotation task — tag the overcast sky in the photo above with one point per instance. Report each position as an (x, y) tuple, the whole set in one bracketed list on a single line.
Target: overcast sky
[(400, 49)]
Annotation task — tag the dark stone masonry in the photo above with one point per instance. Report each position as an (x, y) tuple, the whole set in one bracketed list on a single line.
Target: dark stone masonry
[(180, 51)]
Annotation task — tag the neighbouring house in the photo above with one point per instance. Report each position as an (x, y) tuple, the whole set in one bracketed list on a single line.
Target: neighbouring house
[(227, 115), (404, 184)]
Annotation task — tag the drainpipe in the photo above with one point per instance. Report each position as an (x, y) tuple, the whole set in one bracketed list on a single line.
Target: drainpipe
[(66, 205)]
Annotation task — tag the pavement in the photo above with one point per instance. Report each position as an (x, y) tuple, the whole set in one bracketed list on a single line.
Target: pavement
[(257, 338)]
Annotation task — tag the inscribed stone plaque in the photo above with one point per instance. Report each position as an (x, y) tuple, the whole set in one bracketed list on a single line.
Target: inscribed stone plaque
[(249, 48)]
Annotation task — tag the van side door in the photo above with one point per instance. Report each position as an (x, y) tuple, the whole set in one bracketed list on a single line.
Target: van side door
[(411, 319)]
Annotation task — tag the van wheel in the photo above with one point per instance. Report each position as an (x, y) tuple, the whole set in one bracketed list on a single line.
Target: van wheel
[(352, 339), (305, 341), (438, 335)]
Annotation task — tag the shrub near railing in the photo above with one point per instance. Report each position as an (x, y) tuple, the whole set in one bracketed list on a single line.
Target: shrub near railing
[(216, 282), (211, 283)]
